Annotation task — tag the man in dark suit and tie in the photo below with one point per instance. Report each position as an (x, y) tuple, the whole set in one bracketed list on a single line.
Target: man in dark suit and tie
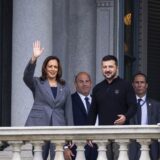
[(148, 112), (81, 100)]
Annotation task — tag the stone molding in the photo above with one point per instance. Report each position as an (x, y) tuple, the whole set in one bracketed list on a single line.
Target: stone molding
[(105, 3), (18, 137)]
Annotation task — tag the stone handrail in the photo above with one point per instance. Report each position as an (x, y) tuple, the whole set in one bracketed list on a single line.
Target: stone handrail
[(102, 135)]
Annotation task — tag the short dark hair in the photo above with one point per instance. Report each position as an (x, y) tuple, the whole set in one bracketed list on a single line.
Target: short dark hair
[(140, 74), (59, 74), (110, 57)]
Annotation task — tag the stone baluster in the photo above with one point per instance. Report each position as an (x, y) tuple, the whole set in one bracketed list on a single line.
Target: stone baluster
[(58, 149), (37, 149), (1, 143), (16, 149), (144, 148), (102, 149), (80, 150), (123, 149), (159, 142)]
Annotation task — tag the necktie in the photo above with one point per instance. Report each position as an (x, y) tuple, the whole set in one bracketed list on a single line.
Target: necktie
[(139, 111), (87, 103)]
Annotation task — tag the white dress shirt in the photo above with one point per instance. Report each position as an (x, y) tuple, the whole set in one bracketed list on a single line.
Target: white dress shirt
[(144, 116), (83, 100)]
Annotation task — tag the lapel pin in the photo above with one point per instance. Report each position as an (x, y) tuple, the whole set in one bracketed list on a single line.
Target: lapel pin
[(116, 91)]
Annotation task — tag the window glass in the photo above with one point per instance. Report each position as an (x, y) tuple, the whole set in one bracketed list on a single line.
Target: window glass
[(128, 39)]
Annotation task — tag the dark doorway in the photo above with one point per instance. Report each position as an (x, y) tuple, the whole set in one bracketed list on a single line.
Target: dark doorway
[(5, 61), (153, 56)]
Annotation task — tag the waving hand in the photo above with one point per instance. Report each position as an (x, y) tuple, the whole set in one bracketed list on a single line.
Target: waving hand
[(37, 50)]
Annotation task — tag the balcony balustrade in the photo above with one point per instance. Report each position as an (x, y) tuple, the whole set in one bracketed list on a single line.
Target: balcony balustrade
[(18, 137)]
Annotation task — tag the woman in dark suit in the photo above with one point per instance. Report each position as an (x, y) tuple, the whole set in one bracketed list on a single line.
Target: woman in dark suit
[(52, 104)]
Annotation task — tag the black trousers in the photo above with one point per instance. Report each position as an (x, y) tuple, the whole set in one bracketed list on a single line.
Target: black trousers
[(48, 148)]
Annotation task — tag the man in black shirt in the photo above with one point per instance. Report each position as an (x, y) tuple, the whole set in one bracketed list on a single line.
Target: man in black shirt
[(113, 99)]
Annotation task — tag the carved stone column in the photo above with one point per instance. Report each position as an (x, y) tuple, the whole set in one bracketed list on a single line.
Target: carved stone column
[(144, 148), (80, 150), (58, 149), (37, 150), (32, 20), (102, 149), (123, 148), (105, 32), (16, 149)]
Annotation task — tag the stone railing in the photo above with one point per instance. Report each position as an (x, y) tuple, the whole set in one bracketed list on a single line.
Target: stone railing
[(102, 135)]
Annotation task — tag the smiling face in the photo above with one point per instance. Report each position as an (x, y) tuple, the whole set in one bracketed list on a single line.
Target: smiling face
[(83, 83), (109, 69), (51, 69)]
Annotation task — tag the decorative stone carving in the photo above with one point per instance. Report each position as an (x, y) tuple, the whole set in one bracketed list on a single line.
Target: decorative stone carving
[(105, 3)]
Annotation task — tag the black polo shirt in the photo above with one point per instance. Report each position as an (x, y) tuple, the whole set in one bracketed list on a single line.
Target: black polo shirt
[(111, 99)]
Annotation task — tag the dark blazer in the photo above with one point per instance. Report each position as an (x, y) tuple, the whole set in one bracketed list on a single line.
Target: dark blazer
[(46, 109), (80, 118), (79, 111), (153, 109)]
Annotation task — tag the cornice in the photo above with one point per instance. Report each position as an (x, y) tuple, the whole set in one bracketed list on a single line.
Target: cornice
[(105, 3)]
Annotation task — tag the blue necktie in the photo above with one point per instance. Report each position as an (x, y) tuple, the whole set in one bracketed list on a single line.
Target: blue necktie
[(139, 111), (87, 103)]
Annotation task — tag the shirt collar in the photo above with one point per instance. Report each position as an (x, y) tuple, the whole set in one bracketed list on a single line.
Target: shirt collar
[(114, 80), (82, 96), (143, 98)]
